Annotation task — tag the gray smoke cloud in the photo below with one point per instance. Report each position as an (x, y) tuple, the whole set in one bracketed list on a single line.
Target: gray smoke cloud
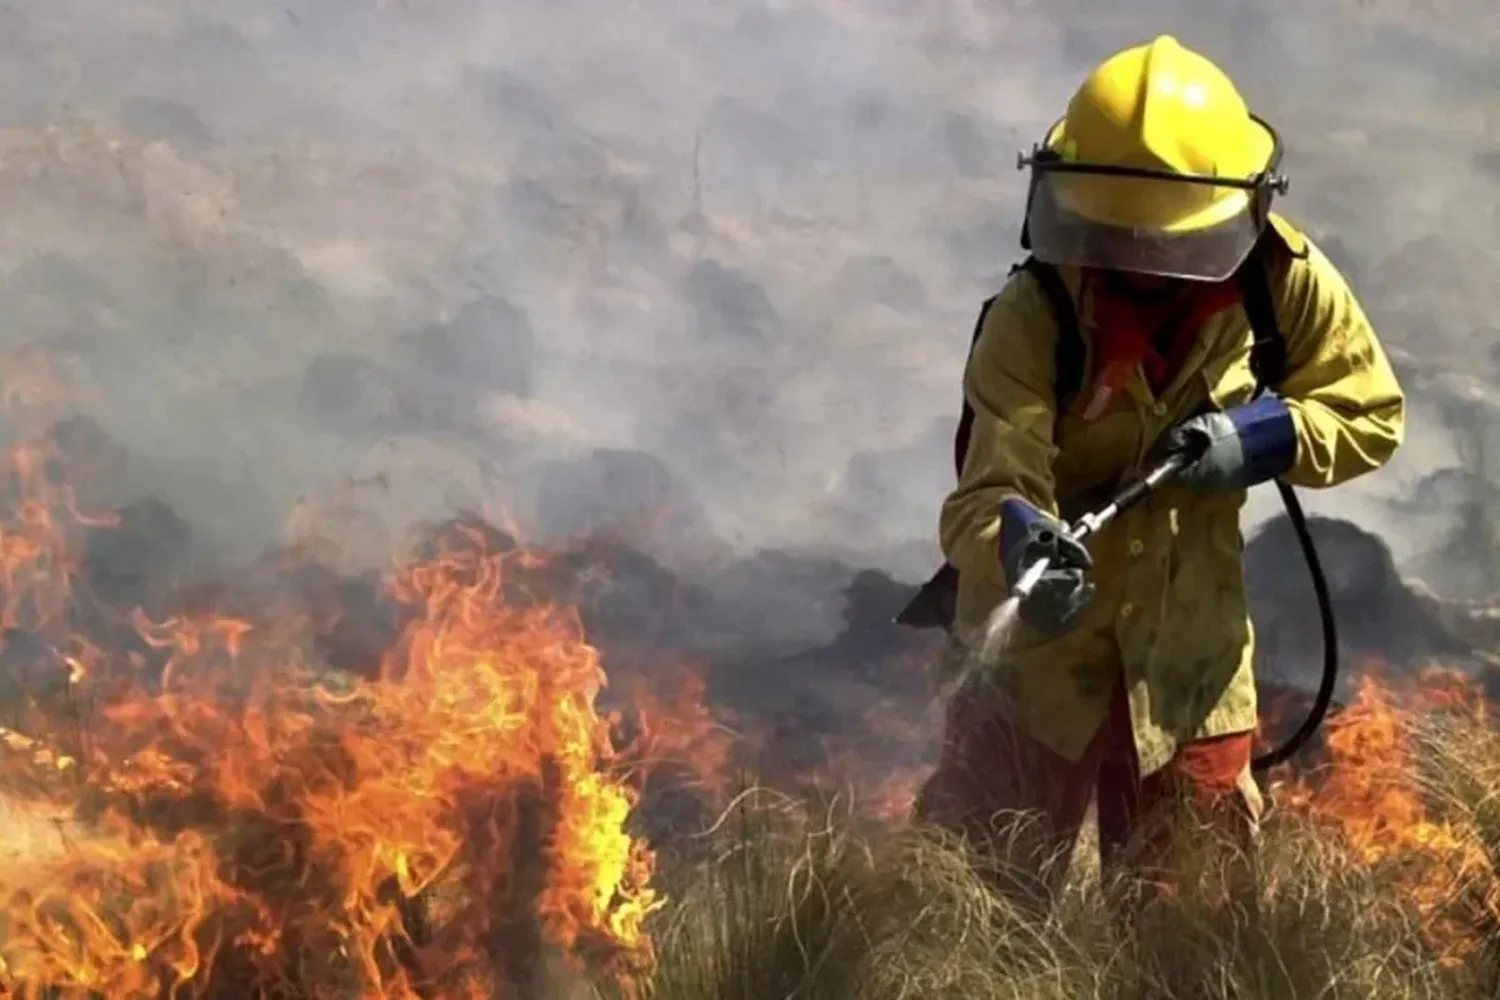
[(716, 263)]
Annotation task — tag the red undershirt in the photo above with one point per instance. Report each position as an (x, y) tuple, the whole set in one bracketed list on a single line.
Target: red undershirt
[(1154, 333)]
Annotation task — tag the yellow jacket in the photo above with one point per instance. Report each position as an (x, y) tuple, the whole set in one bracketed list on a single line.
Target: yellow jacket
[(1170, 608)]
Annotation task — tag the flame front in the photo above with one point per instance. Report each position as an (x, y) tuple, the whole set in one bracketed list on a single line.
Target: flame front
[(1371, 792), (213, 814)]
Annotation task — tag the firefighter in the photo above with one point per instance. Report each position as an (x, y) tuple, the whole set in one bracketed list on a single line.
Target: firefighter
[(1128, 679)]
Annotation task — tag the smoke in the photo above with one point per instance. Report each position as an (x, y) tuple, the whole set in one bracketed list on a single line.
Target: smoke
[(709, 269)]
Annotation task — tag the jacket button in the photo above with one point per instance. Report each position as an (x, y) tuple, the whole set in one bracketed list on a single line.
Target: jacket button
[(1159, 409), (1127, 609), (1137, 546)]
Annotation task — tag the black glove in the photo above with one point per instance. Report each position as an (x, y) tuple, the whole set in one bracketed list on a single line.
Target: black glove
[(1027, 535)]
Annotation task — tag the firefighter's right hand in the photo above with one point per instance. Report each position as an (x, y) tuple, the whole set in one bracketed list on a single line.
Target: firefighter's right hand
[(1064, 591)]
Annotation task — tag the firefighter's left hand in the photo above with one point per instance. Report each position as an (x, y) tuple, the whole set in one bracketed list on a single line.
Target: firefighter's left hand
[(1064, 591), (1240, 447)]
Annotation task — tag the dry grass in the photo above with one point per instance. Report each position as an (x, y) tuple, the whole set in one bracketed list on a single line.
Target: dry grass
[(802, 905), (783, 900), (794, 903)]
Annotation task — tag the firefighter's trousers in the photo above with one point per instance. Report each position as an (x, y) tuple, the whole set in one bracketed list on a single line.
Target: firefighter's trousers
[(1023, 805)]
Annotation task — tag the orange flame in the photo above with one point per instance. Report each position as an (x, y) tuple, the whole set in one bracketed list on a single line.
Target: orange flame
[(231, 820), (1370, 793)]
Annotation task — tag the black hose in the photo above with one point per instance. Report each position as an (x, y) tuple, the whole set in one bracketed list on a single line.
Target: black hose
[(1329, 682)]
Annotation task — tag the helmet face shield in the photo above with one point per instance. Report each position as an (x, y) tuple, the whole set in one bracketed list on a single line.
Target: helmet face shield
[(1146, 220), (1063, 235)]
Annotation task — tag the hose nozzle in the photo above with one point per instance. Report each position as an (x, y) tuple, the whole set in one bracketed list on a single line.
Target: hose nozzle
[(1029, 579)]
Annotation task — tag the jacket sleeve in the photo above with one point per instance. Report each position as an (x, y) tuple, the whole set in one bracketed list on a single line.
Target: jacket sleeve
[(1347, 408), (1008, 382)]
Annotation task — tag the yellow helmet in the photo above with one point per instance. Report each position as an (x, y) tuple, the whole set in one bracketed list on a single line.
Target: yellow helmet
[(1158, 167)]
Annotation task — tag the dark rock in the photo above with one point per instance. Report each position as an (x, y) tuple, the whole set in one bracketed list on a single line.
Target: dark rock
[(871, 647), (635, 608), (140, 560), (617, 488), (83, 449), (1378, 614), (349, 393), (872, 599), (489, 346), (353, 619), (727, 301)]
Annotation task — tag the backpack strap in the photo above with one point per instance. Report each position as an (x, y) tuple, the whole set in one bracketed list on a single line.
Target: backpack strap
[(966, 416), (1068, 350), (1268, 349)]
